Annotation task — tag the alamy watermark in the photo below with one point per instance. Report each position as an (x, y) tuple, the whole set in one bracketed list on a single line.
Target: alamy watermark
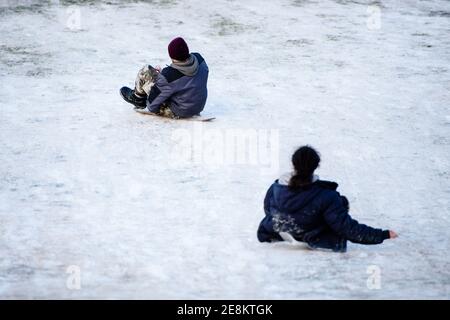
[(373, 21), (374, 280), (18, 3), (226, 147), (73, 18), (70, 17), (73, 281)]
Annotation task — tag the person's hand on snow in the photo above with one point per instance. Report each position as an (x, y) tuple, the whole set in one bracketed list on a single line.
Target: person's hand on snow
[(158, 68), (392, 234)]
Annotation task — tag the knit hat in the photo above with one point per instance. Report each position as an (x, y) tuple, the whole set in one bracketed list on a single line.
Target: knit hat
[(178, 49)]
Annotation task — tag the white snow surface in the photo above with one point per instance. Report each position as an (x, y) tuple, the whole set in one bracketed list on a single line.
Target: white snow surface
[(87, 182)]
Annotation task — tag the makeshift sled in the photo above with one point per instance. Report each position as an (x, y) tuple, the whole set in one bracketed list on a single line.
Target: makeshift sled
[(194, 118)]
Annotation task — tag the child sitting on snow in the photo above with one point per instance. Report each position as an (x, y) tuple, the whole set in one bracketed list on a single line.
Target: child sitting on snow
[(178, 91), (301, 206)]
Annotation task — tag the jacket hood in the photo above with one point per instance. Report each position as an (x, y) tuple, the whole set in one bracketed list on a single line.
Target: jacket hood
[(189, 67)]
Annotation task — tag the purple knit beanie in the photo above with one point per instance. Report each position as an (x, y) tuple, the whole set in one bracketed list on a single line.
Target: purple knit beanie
[(178, 49)]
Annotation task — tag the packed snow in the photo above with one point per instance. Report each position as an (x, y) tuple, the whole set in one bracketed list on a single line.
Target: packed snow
[(97, 201)]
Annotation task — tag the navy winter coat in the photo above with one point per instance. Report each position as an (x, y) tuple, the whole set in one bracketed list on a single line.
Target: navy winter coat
[(186, 95), (316, 214)]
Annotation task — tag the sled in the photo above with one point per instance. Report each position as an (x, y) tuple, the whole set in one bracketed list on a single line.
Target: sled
[(194, 118)]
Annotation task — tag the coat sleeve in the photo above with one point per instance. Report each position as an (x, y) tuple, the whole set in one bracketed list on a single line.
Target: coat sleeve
[(159, 93), (337, 217)]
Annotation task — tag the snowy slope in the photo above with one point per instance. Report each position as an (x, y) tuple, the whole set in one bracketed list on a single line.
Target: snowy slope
[(87, 182)]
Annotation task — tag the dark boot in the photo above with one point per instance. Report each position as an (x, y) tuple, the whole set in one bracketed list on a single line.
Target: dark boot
[(129, 96)]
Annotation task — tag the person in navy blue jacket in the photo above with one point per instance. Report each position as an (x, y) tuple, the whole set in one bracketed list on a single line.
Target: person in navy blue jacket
[(301, 206)]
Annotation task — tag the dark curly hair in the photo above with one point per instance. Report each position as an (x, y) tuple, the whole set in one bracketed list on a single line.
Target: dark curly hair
[(305, 160)]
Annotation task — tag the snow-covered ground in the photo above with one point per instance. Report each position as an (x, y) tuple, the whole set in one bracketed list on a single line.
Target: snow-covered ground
[(92, 191)]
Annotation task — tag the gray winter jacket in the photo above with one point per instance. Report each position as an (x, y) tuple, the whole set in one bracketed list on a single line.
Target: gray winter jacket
[(185, 95)]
